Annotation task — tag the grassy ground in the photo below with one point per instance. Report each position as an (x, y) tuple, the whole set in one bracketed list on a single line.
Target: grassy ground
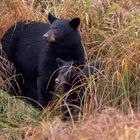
[(110, 32), (15, 116)]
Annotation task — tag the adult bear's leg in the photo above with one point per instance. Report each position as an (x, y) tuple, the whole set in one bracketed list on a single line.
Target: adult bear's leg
[(45, 89)]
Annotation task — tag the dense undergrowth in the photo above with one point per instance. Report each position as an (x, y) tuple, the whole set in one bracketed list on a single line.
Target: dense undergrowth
[(110, 32)]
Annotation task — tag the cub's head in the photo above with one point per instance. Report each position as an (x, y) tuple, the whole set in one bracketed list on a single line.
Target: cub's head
[(67, 71), (65, 68)]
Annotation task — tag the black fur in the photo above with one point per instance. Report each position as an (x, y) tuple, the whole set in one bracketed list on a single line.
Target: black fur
[(69, 75), (33, 48)]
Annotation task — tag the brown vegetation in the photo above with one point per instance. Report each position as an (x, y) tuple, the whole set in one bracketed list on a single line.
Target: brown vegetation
[(109, 124), (110, 32)]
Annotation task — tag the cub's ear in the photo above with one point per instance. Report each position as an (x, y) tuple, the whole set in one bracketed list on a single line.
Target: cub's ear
[(75, 63), (60, 62), (51, 18), (75, 22)]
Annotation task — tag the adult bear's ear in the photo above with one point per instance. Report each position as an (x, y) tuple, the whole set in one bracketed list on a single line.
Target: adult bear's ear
[(75, 22), (51, 18), (60, 62)]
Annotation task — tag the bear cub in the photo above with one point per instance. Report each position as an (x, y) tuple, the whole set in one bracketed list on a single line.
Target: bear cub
[(71, 76)]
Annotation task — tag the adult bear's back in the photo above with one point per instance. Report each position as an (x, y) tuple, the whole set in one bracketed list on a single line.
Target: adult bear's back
[(23, 42), (23, 34)]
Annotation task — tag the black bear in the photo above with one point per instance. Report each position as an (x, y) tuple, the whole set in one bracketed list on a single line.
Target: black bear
[(33, 48), (74, 80)]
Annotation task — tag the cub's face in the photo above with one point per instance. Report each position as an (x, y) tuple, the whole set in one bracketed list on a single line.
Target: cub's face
[(61, 29), (64, 71)]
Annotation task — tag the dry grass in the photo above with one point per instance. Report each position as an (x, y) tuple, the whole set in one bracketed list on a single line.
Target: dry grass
[(109, 124), (110, 32)]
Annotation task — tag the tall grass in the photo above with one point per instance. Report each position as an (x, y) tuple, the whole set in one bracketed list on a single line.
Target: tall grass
[(110, 32)]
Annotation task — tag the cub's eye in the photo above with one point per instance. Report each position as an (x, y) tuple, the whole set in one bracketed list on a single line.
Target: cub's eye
[(56, 28)]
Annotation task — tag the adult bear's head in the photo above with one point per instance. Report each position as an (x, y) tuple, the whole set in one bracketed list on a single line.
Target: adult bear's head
[(62, 31)]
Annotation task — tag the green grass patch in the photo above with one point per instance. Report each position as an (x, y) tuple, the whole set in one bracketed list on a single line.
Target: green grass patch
[(16, 114)]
